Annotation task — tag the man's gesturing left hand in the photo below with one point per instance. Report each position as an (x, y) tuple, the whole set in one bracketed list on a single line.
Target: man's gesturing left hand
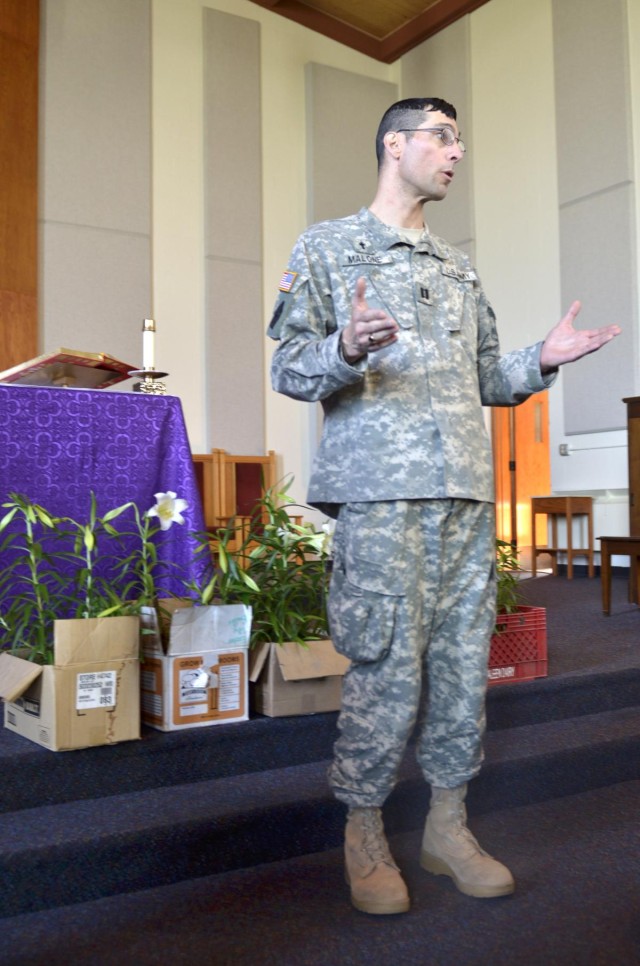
[(566, 344)]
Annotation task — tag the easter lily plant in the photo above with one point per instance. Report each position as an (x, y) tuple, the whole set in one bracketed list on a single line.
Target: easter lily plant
[(60, 568), (279, 568), (109, 566)]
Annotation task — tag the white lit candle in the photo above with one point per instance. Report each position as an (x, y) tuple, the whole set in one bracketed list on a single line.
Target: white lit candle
[(148, 339)]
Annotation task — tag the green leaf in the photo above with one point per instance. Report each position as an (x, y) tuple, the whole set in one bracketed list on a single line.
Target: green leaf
[(249, 581), (8, 517), (207, 593), (112, 514), (109, 611)]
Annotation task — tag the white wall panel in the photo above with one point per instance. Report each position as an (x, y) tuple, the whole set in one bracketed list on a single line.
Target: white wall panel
[(95, 122), (234, 322), (96, 284), (597, 203), (95, 176), (344, 110), (598, 265), (592, 96), (514, 166), (441, 67), (235, 348)]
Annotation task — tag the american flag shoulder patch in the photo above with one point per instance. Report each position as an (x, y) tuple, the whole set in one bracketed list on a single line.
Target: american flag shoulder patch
[(287, 280)]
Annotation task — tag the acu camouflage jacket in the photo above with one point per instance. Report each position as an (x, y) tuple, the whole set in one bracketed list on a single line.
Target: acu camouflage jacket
[(405, 422)]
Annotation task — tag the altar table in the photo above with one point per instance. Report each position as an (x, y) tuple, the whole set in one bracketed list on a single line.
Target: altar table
[(57, 445)]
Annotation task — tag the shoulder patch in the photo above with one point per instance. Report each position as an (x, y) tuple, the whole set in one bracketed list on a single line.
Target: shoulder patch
[(274, 328), (287, 280)]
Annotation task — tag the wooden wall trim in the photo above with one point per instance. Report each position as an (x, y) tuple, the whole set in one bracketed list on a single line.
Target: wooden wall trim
[(19, 43)]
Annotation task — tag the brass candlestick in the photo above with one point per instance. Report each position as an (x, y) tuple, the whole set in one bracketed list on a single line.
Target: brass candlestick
[(150, 384)]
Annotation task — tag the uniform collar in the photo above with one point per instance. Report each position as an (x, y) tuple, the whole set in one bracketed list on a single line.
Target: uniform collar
[(386, 236)]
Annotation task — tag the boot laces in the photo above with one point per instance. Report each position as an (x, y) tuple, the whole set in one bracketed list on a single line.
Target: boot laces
[(458, 829), (374, 843), (465, 836)]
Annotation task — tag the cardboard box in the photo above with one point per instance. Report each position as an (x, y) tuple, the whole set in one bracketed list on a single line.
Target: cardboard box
[(199, 676), (89, 696), (292, 679)]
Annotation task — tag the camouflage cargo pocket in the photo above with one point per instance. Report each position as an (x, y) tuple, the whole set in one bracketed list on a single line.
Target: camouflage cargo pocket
[(366, 588)]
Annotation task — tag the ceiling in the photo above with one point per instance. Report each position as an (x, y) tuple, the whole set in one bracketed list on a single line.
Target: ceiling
[(382, 29)]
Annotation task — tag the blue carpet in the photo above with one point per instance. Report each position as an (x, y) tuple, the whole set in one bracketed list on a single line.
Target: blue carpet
[(222, 845), (577, 903)]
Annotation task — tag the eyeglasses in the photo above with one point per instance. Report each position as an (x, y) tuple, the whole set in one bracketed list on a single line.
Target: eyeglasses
[(445, 134)]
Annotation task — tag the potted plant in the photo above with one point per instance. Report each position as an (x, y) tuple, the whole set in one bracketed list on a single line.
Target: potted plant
[(69, 627), (519, 644), (280, 568)]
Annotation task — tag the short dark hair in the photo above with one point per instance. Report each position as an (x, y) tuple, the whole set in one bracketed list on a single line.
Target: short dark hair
[(409, 113)]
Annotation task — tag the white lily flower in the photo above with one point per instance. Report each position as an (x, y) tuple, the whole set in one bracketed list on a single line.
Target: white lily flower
[(327, 529), (168, 509), (316, 541), (286, 536)]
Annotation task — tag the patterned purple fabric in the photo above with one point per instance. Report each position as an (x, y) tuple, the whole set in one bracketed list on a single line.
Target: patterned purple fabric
[(57, 445)]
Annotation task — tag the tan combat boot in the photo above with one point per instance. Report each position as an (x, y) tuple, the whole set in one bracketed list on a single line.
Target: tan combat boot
[(449, 848), (376, 884)]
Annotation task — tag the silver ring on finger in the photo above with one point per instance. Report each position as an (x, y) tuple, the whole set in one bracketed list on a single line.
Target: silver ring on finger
[(372, 341)]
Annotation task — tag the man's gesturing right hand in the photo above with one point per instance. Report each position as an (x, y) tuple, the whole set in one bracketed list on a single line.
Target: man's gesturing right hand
[(368, 329)]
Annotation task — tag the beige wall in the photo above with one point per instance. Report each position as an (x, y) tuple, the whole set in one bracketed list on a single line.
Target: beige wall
[(498, 65), (95, 176)]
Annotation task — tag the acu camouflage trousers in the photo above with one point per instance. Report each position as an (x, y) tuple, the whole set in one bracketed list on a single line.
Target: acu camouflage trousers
[(412, 602)]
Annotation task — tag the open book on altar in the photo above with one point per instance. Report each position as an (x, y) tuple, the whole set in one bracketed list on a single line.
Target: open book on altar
[(69, 369)]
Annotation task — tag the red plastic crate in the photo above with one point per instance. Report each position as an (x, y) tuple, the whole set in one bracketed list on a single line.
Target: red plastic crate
[(519, 647)]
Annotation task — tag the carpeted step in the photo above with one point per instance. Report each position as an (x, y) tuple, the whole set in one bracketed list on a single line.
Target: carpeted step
[(33, 775), (577, 881), (54, 855)]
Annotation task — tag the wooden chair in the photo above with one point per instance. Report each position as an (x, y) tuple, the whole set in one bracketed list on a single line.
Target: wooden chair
[(568, 507), (230, 485)]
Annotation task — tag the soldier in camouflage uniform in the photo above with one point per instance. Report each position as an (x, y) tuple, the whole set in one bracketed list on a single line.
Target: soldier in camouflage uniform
[(388, 326)]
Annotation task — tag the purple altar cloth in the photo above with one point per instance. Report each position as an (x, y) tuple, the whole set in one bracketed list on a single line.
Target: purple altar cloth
[(58, 445)]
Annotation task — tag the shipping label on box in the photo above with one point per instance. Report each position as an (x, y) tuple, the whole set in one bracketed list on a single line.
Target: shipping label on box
[(205, 691), (202, 677), (96, 689)]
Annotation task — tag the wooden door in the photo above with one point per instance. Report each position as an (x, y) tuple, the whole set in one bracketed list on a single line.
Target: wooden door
[(522, 468)]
